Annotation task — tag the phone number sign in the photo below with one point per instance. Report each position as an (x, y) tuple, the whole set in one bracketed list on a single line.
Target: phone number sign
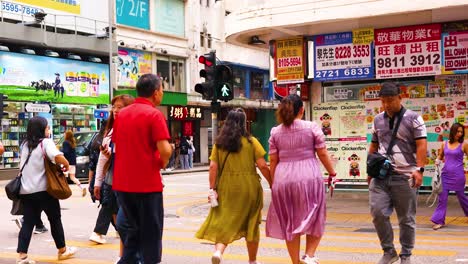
[(337, 58), (290, 60), (408, 51)]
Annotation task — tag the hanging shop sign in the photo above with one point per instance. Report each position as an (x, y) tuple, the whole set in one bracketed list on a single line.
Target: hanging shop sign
[(185, 112), (134, 13), (338, 58), (131, 65), (290, 60), (408, 51), (33, 78), (68, 6), (455, 55)]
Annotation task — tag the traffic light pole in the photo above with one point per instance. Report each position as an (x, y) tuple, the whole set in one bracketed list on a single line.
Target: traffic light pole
[(215, 106)]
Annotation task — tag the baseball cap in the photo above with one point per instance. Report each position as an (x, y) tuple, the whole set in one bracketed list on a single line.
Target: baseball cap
[(389, 89)]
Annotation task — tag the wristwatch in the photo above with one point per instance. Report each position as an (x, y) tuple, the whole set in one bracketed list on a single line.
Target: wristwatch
[(421, 169)]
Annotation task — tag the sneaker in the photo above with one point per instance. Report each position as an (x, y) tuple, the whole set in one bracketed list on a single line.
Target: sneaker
[(69, 253), (308, 260), (18, 222), (437, 226), (405, 259), (389, 256), (216, 258), (25, 261), (97, 238), (40, 230), (83, 192)]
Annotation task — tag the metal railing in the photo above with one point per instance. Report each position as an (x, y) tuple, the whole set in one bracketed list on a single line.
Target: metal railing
[(14, 12)]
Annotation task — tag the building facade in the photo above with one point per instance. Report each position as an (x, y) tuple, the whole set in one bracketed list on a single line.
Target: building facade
[(54, 61), (342, 51)]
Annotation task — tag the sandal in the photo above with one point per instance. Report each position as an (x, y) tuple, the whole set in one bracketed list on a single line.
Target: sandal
[(437, 226)]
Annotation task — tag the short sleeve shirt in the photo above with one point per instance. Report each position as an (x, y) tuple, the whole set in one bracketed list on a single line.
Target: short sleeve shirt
[(135, 135), (411, 128)]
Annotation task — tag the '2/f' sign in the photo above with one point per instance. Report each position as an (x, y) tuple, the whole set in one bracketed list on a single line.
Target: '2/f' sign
[(133, 13)]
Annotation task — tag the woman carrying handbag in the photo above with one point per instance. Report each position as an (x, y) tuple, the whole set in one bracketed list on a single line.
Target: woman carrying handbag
[(33, 190)]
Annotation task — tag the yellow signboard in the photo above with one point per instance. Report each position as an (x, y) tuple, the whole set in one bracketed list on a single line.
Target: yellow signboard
[(290, 60), (69, 6), (363, 36)]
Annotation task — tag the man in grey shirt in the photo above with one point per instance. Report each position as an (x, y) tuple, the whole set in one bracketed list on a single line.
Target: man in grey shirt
[(398, 189)]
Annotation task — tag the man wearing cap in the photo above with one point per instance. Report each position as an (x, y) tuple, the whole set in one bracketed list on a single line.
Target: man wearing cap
[(398, 190)]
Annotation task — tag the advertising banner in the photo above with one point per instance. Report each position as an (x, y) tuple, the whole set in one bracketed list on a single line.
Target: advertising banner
[(290, 60), (71, 6), (352, 120), (327, 116), (337, 58), (455, 55), (408, 51), (36, 78), (134, 13), (131, 65)]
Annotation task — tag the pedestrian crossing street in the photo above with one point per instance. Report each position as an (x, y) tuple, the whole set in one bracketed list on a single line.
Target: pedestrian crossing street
[(339, 245), (349, 237)]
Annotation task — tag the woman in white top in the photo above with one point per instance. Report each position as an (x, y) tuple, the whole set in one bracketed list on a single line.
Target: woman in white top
[(37, 146), (109, 208)]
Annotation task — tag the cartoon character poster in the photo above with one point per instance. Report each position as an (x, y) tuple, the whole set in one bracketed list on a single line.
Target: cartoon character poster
[(327, 117), (131, 65), (353, 161)]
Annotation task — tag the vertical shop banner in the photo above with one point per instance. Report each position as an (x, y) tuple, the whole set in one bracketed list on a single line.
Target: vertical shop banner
[(290, 60), (455, 55), (408, 51), (37, 78), (337, 58), (131, 65), (134, 13)]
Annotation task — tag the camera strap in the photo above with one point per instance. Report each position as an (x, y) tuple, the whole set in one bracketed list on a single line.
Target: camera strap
[(394, 133)]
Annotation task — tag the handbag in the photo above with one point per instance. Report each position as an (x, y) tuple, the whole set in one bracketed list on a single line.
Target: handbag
[(12, 189), (378, 165), (17, 207), (57, 185), (436, 185)]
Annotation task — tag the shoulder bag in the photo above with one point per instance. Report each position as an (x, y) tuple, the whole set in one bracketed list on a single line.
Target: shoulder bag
[(378, 165), (221, 170), (12, 189), (57, 185)]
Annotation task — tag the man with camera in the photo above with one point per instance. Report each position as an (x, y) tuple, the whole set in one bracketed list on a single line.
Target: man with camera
[(399, 146)]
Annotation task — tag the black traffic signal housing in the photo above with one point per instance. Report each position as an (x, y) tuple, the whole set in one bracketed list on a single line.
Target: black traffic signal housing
[(3, 97), (224, 85), (207, 88)]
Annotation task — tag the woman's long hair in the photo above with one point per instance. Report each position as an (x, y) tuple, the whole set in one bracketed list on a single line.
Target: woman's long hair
[(127, 100), (70, 138), (35, 132), (233, 130), (453, 132)]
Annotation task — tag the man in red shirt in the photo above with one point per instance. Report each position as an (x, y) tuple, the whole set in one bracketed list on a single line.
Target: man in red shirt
[(142, 150)]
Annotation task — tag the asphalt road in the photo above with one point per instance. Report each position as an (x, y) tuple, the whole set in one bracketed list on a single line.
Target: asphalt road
[(349, 237)]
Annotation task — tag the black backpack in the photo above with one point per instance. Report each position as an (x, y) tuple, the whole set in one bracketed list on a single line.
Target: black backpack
[(184, 148)]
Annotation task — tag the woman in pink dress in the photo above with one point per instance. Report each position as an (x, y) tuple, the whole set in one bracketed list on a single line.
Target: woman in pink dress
[(298, 193)]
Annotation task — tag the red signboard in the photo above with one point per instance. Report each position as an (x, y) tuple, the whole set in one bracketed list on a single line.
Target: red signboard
[(282, 91), (408, 51)]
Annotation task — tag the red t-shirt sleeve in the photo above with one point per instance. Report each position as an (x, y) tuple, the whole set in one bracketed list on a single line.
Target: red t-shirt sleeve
[(159, 129)]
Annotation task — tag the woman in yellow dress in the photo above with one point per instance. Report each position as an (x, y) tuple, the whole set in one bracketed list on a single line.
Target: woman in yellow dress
[(235, 183)]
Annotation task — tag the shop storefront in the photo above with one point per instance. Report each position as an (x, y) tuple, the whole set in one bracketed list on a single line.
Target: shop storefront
[(429, 62), (65, 92)]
